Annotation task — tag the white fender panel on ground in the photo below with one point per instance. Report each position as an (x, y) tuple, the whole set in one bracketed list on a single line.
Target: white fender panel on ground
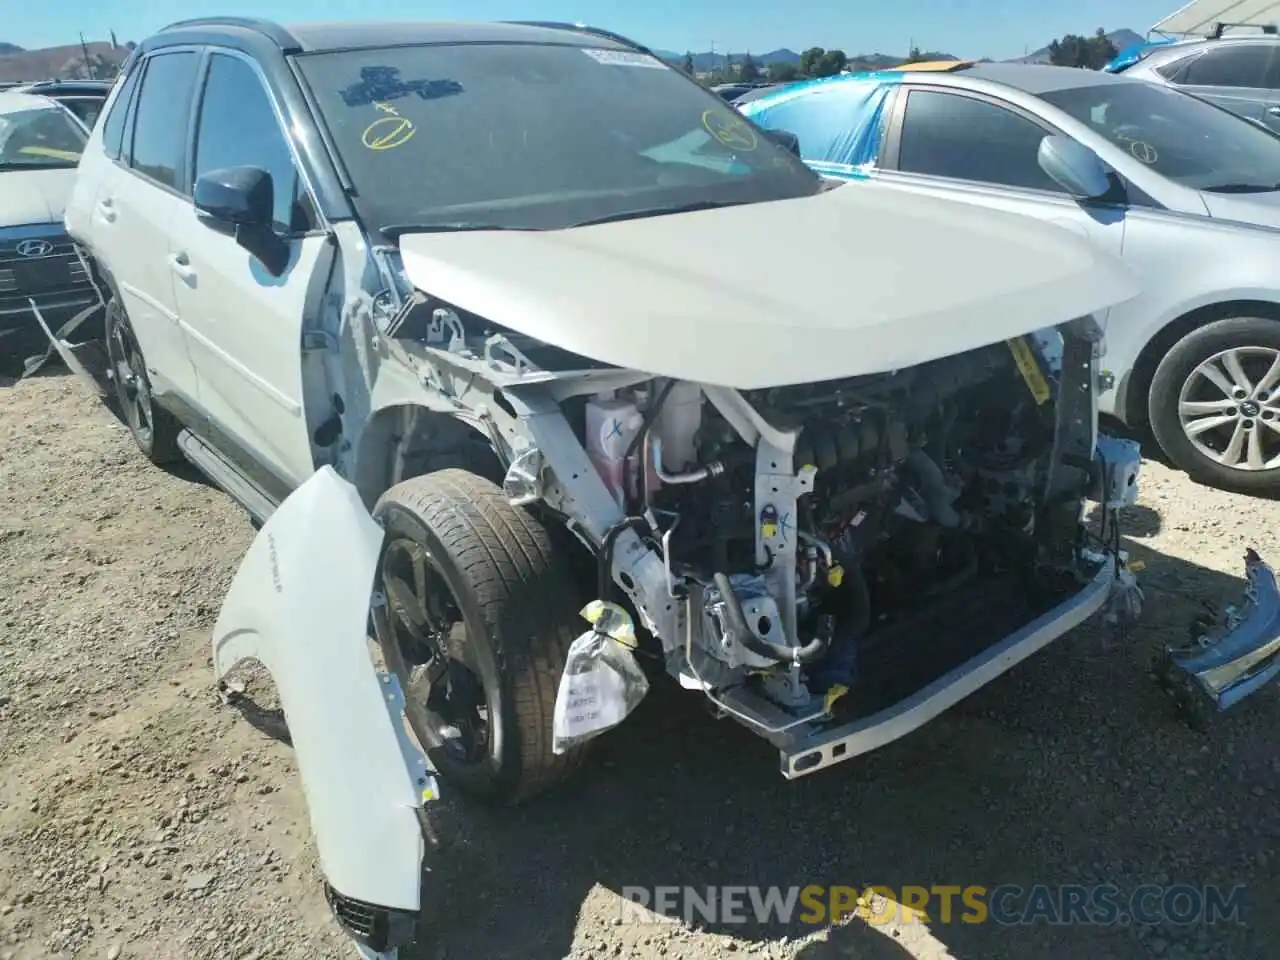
[(299, 604)]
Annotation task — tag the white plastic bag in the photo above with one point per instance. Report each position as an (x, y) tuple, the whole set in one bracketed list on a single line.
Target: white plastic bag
[(601, 683)]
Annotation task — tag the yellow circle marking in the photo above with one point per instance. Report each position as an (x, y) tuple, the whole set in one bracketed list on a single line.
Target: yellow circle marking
[(386, 133), (1143, 151), (734, 132)]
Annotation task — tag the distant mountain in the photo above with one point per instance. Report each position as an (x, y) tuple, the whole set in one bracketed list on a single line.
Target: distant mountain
[(9, 48), (1120, 39), (708, 62), (66, 62)]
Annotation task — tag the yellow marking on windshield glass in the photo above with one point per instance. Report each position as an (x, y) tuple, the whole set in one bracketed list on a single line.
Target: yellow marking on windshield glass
[(386, 133), (730, 129)]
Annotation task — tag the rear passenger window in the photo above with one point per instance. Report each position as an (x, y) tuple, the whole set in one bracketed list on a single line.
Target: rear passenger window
[(1238, 65), (113, 126), (164, 107), (238, 128)]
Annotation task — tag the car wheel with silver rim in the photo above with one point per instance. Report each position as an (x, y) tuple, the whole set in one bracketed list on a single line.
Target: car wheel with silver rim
[(1215, 404)]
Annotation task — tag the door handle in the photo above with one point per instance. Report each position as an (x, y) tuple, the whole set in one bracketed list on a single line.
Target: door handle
[(181, 265), (107, 210)]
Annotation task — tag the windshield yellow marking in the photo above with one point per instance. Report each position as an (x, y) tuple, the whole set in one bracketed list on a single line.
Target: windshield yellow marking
[(386, 133), (730, 129), (50, 152)]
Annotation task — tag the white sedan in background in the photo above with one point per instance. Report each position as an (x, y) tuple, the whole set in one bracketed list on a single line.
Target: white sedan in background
[(1187, 193)]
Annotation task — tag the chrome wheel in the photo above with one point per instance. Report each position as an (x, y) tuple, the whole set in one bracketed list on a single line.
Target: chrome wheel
[(445, 696), (1229, 408), (129, 375)]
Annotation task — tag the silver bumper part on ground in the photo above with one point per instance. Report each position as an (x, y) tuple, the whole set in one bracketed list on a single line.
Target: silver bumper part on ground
[(1241, 654), (821, 750)]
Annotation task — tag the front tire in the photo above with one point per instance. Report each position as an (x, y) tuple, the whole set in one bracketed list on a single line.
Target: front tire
[(1214, 404), (478, 619), (153, 429)]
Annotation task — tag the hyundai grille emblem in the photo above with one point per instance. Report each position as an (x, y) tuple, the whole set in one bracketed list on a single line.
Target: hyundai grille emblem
[(34, 248)]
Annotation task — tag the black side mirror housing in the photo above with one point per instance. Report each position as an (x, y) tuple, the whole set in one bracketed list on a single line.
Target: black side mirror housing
[(242, 200), (787, 139)]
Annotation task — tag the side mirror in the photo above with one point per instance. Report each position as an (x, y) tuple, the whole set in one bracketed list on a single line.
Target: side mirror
[(1074, 166), (236, 195), (243, 199), (787, 139)]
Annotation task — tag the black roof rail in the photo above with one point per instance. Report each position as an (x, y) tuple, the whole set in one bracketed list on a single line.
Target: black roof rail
[(273, 31), (1219, 28), (584, 28)]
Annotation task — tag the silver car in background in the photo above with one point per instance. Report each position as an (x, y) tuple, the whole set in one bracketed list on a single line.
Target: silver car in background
[(1187, 193)]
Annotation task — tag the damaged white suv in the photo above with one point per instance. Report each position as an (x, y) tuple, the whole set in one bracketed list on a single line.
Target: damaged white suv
[(474, 318)]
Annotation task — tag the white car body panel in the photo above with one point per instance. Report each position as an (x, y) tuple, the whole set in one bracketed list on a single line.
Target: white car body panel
[(34, 196), (299, 605), (690, 295), (243, 330), (122, 219)]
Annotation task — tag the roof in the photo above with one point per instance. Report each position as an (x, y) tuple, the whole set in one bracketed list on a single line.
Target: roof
[(1200, 17), (357, 34), (1038, 78), (11, 102), (88, 87), (935, 66)]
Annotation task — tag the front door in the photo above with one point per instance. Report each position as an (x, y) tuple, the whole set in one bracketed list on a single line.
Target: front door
[(245, 325)]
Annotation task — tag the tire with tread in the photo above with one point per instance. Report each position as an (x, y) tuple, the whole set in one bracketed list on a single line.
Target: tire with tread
[(520, 609), (161, 445)]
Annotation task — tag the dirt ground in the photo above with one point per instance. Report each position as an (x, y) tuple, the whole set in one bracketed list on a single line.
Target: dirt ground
[(141, 817)]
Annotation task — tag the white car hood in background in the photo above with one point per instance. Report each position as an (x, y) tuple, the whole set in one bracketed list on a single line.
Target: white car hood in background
[(859, 279), (34, 196)]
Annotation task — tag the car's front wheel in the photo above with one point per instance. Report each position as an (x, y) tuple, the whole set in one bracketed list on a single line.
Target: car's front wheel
[(1215, 404), (478, 619)]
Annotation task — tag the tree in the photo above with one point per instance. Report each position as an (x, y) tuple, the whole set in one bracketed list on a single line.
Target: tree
[(748, 72), (687, 66), (783, 72), (832, 62), (1091, 53), (809, 61)]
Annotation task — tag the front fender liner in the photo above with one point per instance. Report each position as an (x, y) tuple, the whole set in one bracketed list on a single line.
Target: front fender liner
[(299, 604)]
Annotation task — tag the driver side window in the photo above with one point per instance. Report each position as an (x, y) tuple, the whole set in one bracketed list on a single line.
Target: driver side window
[(948, 135), (238, 127)]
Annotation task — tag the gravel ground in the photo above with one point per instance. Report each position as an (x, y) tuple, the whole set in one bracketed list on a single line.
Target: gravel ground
[(140, 817)]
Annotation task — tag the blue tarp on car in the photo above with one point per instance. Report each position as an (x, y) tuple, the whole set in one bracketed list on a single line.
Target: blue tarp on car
[(837, 119)]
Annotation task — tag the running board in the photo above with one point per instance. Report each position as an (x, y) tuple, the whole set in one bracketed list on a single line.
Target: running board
[(225, 474)]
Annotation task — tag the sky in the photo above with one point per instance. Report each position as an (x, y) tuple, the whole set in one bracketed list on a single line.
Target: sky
[(968, 28)]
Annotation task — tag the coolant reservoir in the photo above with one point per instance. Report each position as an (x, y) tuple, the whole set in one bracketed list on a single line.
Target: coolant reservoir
[(677, 426), (611, 426)]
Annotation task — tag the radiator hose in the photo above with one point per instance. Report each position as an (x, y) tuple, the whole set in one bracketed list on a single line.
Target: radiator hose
[(737, 622)]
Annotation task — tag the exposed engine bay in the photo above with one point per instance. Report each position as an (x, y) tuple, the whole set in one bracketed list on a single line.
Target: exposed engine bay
[(910, 487)]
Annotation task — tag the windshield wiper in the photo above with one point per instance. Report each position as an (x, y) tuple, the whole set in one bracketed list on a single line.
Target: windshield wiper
[(395, 230), (38, 165), (1243, 188), (661, 211)]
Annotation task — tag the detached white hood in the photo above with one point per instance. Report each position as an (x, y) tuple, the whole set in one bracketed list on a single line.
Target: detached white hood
[(859, 279), (34, 196)]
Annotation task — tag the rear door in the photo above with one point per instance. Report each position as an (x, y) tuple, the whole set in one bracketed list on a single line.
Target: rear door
[(245, 325), (142, 186)]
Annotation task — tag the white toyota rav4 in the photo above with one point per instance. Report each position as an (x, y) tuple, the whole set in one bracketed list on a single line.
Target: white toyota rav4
[(474, 320)]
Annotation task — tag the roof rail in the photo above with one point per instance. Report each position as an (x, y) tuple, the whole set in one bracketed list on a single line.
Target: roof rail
[(1219, 28), (583, 28), (273, 31)]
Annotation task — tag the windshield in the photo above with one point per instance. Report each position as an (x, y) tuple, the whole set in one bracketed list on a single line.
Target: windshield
[(525, 136), (39, 139), (1179, 136)]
